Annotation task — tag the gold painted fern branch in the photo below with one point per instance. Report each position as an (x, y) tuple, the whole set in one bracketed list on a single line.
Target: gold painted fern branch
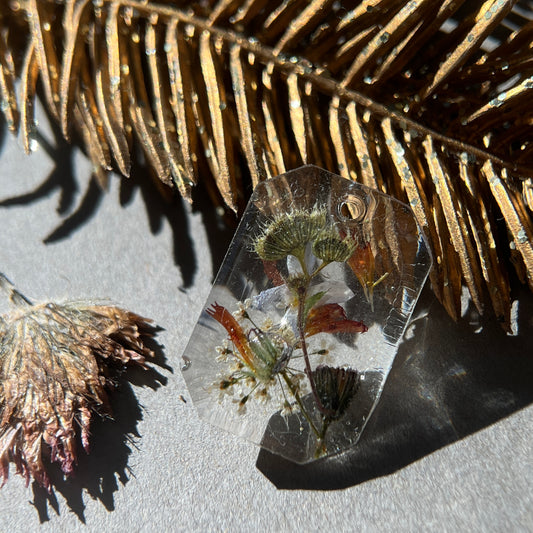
[(425, 100)]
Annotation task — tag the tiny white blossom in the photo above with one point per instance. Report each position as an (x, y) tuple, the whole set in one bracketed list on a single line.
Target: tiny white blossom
[(288, 408), (263, 395), (268, 324), (242, 309), (223, 352)]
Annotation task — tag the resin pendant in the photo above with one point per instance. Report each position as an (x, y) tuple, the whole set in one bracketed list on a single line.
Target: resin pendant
[(303, 321)]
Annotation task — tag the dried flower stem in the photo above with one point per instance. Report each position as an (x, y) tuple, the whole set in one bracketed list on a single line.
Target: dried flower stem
[(321, 439), (302, 296), (301, 330), (294, 392)]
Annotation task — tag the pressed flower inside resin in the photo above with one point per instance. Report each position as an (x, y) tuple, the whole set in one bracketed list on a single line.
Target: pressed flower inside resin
[(302, 324)]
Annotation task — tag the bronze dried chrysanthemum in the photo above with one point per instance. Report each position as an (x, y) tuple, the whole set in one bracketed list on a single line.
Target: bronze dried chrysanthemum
[(56, 365)]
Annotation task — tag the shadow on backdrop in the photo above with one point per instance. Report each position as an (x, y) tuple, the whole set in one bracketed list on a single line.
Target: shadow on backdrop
[(64, 180), (61, 178), (162, 205), (101, 473), (446, 383), (219, 225)]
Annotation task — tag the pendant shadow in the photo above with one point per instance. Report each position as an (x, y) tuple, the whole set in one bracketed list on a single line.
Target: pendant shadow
[(446, 383), (101, 473)]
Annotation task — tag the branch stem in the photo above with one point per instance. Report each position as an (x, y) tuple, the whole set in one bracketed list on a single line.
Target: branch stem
[(302, 293), (320, 79), (294, 392)]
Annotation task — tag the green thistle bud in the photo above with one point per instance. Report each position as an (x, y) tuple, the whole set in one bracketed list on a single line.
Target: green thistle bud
[(330, 247), (288, 234)]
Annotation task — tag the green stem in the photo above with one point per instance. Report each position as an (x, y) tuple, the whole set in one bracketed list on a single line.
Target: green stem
[(319, 268), (302, 293), (300, 404), (320, 448), (301, 259), (249, 318)]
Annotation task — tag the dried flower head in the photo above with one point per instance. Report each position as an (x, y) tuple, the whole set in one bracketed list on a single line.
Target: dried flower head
[(289, 233), (56, 364), (336, 387), (330, 246)]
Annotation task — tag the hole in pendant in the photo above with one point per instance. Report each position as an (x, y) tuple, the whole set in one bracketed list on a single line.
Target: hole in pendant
[(352, 209)]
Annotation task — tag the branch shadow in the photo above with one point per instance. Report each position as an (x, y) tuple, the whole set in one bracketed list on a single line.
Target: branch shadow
[(161, 204), (61, 178), (446, 383), (101, 473), (4, 131), (219, 223)]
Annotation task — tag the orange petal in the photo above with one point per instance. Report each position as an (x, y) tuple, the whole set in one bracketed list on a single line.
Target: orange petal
[(362, 264), (226, 319), (272, 272)]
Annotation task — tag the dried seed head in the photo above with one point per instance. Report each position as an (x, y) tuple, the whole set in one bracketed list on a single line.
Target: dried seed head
[(336, 387), (330, 247), (56, 362), (288, 234)]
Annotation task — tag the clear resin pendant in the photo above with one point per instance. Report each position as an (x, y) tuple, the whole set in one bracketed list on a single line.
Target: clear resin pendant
[(302, 324)]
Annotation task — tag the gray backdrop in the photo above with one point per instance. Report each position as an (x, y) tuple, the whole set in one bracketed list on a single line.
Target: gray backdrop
[(448, 448)]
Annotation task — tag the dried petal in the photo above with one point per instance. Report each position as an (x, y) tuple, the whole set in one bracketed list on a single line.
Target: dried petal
[(226, 319), (363, 265), (331, 318)]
